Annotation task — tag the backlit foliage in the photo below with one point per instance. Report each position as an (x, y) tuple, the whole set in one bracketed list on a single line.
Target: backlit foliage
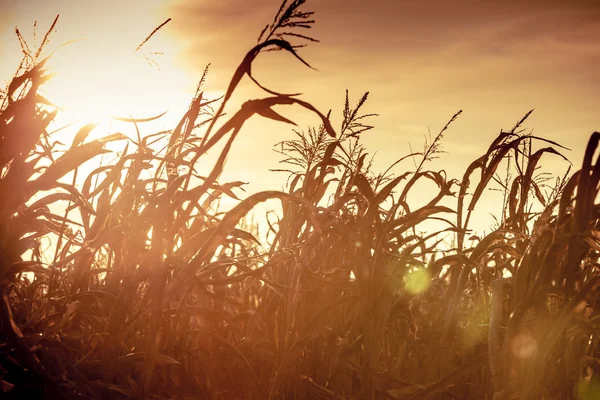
[(149, 290)]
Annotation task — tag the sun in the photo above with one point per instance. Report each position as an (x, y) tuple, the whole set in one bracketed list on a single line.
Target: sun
[(94, 85), (100, 78)]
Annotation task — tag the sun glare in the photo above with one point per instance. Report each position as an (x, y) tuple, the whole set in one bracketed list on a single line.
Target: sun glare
[(102, 83), (100, 78)]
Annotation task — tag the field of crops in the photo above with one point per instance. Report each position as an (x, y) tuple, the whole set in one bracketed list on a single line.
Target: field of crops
[(153, 291)]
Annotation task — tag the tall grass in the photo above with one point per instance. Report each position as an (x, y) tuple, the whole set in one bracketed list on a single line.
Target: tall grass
[(152, 292)]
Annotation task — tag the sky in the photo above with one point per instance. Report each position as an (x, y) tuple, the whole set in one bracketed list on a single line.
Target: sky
[(421, 61)]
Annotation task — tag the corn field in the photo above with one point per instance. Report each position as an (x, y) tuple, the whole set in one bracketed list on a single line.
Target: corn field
[(151, 291)]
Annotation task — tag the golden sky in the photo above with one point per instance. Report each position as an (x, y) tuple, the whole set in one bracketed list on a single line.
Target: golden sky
[(421, 60)]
